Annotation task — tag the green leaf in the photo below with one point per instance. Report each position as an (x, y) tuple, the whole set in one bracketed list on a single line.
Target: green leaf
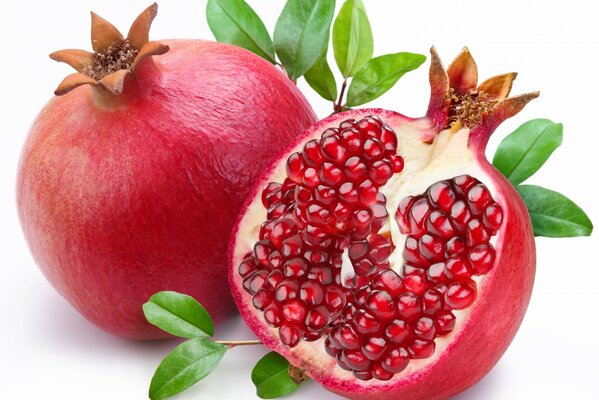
[(553, 214), (379, 75), (526, 149), (302, 32), (187, 364), (352, 38), (321, 79), (179, 315), (271, 377), (235, 22)]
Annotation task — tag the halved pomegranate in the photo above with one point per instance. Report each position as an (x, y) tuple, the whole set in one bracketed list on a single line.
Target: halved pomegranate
[(383, 255)]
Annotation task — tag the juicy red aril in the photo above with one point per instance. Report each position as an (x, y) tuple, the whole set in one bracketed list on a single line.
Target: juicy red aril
[(375, 321), (460, 295), (396, 360)]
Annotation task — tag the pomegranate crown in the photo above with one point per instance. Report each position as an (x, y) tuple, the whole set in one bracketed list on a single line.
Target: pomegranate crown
[(114, 56), (458, 101)]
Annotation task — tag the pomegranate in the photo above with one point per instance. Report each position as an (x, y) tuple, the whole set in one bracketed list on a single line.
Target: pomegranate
[(131, 179), (384, 255)]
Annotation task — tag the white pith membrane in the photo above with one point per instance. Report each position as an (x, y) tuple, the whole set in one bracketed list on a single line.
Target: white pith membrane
[(446, 157)]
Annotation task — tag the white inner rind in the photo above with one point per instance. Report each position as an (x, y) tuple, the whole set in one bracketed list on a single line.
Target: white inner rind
[(447, 157)]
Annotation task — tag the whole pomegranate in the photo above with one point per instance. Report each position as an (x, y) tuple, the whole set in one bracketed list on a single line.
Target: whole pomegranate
[(383, 255), (131, 179)]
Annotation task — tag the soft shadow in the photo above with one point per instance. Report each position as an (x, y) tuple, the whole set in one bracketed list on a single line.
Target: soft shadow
[(484, 387)]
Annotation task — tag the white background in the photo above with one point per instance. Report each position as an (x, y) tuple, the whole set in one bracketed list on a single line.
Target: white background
[(48, 351)]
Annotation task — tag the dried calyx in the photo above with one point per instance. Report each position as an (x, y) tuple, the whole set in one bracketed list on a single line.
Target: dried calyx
[(114, 57)]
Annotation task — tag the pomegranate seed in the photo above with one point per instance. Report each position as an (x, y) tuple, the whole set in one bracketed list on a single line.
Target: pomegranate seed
[(436, 272), (355, 359), (445, 322), (411, 253), (374, 347), (262, 251), (431, 247), (367, 192), (432, 302), (463, 184), (348, 193), (295, 167), (479, 198), (388, 139), (370, 127), (408, 306), (363, 375), (273, 279), (364, 268), (331, 175), (455, 245), (441, 196), (256, 281), (286, 290), (272, 315), (325, 196), (333, 149), (398, 331), (380, 305), (312, 153), (311, 178), (292, 246), (335, 298), (401, 215), (389, 281), (457, 269), (476, 233), (380, 373), (346, 337), (330, 348), (396, 360), (439, 224), (460, 214), (424, 328), (373, 149), (415, 284), (261, 299), (460, 295), (271, 194), (418, 214), (289, 334), (492, 217), (322, 274), (311, 293), (397, 163), (381, 172), (275, 259), (412, 270), (318, 318), (355, 169), (247, 265), (482, 258), (294, 311), (351, 138), (365, 323), (422, 349)]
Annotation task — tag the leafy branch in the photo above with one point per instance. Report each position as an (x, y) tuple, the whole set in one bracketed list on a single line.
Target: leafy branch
[(301, 43)]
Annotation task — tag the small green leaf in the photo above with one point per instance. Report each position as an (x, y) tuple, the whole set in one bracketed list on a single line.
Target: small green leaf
[(271, 377), (179, 315), (553, 214), (352, 38), (302, 32), (379, 75), (321, 79), (526, 149), (187, 364), (235, 22)]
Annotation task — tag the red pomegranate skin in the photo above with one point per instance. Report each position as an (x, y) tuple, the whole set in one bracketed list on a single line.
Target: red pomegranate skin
[(121, 197)]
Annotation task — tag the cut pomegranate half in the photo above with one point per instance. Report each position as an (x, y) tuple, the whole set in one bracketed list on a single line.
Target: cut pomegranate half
[(383, 254)]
